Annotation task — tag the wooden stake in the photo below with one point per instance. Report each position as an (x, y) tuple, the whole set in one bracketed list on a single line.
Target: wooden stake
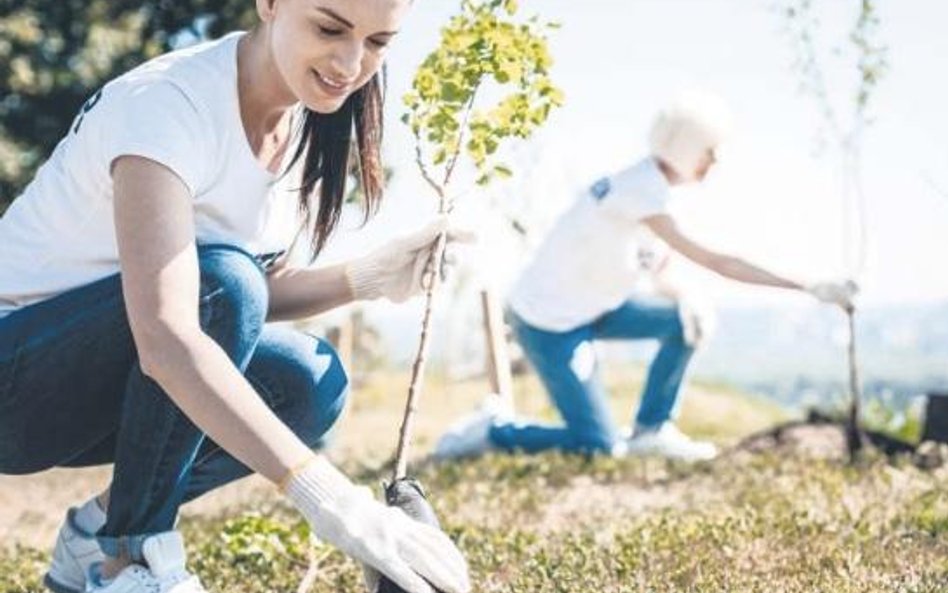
[(498, 359)]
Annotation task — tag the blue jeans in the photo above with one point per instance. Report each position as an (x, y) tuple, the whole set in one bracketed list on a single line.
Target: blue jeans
[(567, 366), (72, 393)]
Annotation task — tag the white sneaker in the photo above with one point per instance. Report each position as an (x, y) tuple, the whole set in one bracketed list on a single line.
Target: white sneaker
[(166, 572), (134, 578), (668, 441), (469, 436), (74, 553)]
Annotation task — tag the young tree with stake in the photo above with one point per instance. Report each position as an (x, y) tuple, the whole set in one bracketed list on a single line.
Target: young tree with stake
[(482, 50)]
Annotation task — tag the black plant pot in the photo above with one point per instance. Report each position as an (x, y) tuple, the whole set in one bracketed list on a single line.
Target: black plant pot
[(408, 495)]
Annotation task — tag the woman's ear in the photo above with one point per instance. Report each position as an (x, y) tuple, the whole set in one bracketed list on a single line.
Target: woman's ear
[(266, 9)]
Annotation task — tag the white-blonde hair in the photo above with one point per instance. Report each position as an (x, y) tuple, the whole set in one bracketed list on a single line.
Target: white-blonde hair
[(687, 127)]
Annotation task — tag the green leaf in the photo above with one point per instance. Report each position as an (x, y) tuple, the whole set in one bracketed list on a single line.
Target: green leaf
[(486, 41)]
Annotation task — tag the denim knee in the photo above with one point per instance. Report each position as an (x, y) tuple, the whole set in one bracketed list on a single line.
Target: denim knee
[(233, 292), (315, 379), (328, 397)]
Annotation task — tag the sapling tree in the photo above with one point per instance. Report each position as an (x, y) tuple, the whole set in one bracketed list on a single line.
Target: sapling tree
[(843, 127), (486, 83)]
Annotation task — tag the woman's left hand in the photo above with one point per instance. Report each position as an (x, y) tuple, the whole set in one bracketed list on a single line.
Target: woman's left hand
[(397, 269), (697, 320)]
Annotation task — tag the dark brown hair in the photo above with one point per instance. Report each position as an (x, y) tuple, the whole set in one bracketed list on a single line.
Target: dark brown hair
[(326, 140)]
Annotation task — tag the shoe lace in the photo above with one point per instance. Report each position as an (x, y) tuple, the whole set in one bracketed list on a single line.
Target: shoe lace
[(147, 579)]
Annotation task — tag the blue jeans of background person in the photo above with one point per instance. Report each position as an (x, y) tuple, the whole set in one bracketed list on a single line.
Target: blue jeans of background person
[(567, 366), (73, 394)]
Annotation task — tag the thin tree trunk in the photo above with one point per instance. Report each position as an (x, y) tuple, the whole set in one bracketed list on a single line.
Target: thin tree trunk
[(421, 357), (855, 437)]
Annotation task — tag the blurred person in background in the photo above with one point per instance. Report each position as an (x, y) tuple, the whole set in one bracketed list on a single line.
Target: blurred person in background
[(581, 287)]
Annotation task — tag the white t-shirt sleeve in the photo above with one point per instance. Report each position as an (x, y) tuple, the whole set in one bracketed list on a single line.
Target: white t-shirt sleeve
[(631, 201), (158, 121)]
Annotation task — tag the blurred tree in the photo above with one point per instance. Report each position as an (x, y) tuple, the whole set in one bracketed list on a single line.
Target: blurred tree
[(54, 54), (843, 126)]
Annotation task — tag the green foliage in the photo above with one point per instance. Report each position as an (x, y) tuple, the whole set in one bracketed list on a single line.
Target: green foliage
[(863, 45), (21, 570), (901, 424), (882, 416), (257, 545), (872, 62), (482, 45), (263, 552), (929, 513), (55, 53)]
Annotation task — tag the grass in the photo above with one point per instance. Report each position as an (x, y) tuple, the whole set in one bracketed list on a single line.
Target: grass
[(768, 522)]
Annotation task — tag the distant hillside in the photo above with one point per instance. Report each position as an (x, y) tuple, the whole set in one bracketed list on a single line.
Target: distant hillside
[(801, 354)]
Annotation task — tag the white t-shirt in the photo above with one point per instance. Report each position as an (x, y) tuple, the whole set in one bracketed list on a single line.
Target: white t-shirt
[(180, 109), (591, 260)]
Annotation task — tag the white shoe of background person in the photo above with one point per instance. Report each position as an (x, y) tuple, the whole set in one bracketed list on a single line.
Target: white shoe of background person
[(165, 571), (470, 436), (667, 441), (76, 550)]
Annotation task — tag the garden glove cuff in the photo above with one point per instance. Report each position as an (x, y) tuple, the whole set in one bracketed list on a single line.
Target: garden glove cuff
[(414, 555), (397, 270)]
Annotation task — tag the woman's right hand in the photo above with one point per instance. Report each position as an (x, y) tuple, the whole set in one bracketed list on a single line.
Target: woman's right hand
[(383, 538), (387, 540)]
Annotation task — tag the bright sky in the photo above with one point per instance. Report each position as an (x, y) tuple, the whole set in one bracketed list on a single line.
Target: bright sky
[(772, 200)]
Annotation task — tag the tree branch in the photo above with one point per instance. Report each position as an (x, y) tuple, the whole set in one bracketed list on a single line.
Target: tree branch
[(457, 149)]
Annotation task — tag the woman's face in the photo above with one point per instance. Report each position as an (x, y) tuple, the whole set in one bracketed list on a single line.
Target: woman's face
[(707, 160), (326, 49)]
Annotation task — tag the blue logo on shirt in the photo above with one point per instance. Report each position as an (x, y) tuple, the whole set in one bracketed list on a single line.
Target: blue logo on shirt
[(601, 188), (86, 108)]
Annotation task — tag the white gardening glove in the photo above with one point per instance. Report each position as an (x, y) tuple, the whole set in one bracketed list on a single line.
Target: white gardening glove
[(397, 269), (697, 320), (835, 293), (386, 539)]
